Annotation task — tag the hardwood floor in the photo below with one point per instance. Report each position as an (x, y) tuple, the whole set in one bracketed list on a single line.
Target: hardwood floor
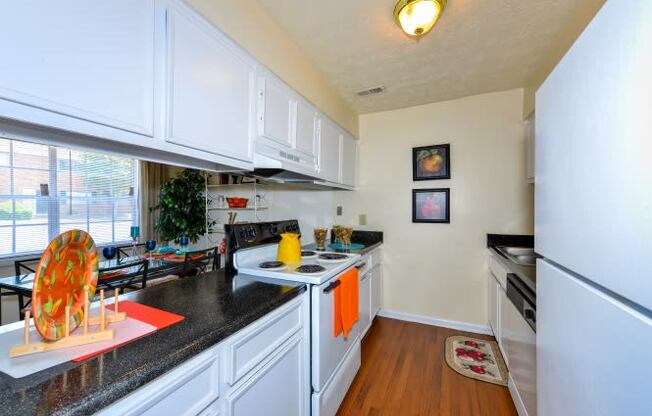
[(404, 373)]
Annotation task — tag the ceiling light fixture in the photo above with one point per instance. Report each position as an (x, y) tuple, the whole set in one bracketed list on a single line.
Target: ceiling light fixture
[(417, 17)]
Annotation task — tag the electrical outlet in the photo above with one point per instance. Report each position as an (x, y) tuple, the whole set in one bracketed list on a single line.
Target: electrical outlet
[(362, 219), (339, 211)]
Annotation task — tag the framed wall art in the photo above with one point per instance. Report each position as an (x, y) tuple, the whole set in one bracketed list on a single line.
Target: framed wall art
[(431, 162), (431, 205)]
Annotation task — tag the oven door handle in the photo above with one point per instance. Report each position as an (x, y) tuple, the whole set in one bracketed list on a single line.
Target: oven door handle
[(332, 286)]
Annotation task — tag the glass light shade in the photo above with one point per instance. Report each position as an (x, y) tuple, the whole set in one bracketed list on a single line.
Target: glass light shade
[(417, 17)]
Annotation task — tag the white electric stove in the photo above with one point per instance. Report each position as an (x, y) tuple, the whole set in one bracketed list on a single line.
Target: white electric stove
[(335, 360), (316, 267)]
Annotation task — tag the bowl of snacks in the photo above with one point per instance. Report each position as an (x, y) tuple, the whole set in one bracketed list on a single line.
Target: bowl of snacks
[(237, 202)]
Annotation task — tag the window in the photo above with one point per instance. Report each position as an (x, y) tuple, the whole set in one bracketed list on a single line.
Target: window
[(46, 190)]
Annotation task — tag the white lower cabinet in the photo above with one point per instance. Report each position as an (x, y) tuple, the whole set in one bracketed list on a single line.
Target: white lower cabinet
[(376, 289), (503, 317), (277, 389), (364, 313), (264, 369), (493, 290), (188, 389), (370, 290)]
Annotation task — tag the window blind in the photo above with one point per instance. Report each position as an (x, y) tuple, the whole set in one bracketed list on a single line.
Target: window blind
[(46, 190)]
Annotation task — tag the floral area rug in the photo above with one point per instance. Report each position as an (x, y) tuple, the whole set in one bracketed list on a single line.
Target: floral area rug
[(477, 359)]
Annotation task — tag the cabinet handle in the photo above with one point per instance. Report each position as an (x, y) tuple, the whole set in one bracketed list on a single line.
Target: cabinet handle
[(332, 286)]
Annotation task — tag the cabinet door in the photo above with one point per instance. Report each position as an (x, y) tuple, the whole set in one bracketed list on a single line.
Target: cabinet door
[(493, 302), (276, 108), (529, 149), (305, 137), (349, 160), (280, 388), (376, 290), (502, 318), (329, 151), (210, 88), (90, 60), (365, 303), (593, 202)]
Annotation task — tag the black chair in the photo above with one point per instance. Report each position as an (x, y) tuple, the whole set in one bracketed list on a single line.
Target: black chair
[(132, 275), (23, 268), (127, 250), (201, 261)]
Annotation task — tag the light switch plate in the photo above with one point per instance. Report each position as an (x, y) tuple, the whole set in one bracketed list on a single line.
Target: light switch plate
[(362, 219), (339, 211)]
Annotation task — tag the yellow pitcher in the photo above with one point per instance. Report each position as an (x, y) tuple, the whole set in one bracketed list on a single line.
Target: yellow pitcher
[(289, 249)]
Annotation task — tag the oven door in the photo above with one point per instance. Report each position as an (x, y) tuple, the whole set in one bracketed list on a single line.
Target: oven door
[(327, 351)]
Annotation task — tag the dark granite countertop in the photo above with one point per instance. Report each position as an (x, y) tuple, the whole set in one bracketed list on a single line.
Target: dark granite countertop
[(528, 274), (370, 239), (215, 306)]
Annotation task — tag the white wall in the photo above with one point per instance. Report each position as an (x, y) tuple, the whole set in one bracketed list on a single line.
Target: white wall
[(311, 208), (438, 270)]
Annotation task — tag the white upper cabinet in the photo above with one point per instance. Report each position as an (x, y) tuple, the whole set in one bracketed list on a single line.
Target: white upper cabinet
[(90, 60), (349, 159), (210, 87), (330, 139), (305, 137), (276, 104), (529, 149)]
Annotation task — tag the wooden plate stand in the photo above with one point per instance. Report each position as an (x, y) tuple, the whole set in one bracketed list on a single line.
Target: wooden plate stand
[(68, 340)]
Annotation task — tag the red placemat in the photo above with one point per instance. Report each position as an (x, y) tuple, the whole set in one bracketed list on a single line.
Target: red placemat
[(152, 316), (111, 275)]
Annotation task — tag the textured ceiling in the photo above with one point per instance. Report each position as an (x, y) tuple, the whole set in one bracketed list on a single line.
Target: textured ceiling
[(477, 46)]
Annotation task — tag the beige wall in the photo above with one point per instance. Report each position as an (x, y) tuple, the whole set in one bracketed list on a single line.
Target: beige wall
[(248, 24), (438, 270)]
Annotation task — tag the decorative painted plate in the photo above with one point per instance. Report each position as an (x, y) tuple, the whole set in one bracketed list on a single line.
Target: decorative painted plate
[(67, 269)]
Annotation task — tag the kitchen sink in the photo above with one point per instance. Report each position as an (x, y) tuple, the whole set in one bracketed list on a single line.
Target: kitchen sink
[(523, 256), (519, 251)]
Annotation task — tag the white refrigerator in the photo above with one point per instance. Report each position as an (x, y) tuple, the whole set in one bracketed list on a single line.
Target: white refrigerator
[(593, 220)]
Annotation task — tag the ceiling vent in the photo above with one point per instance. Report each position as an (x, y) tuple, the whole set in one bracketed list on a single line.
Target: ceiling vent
[(371, 91)]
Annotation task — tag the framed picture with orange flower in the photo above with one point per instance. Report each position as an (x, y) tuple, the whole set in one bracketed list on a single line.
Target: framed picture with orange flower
[(431, 162), (431, 205)]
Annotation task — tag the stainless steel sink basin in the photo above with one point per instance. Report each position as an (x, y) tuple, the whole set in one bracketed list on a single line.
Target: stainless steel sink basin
[(526, 260), (520, 251), (523, 256)]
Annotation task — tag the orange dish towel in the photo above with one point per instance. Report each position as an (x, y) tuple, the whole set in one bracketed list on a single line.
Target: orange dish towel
[(345, 303)]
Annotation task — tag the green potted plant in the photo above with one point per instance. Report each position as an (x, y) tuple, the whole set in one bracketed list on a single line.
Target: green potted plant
[(182, 207)]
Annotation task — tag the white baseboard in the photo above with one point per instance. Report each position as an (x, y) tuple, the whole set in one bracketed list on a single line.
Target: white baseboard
[(445, 323)]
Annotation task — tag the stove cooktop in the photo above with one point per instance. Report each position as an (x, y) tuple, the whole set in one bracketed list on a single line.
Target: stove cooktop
[(313, 269)]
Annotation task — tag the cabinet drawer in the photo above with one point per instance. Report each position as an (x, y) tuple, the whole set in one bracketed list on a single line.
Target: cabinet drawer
[(261, 338), (279, 388), (186, 390)]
